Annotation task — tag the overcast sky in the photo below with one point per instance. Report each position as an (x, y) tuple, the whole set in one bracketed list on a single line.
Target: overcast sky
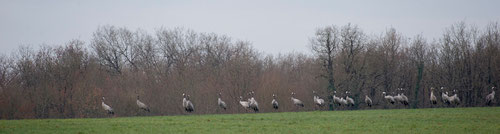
[(272, 26)]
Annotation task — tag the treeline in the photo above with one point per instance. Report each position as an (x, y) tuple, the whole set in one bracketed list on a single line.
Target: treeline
[(68, 81)]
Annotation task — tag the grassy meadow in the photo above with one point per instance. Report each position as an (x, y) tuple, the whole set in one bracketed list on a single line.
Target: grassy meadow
[(437, 120)]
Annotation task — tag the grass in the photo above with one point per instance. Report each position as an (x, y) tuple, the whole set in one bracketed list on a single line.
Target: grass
[(438, 120)]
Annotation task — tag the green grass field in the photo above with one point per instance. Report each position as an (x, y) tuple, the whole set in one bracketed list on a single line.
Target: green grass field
[(439, 120)]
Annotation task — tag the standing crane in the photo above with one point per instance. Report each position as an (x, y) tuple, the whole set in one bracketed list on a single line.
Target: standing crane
[(368, 101), (142, 105), (336, 100), (444, 96), (244, 104), (221, 103), (296, 101), (433, 98), (403, 99), (274, 102), (106, 107), (388, 98), (490, 97), (318, 101), (454, 99), (349, 100), (253, 103), (186, 103)]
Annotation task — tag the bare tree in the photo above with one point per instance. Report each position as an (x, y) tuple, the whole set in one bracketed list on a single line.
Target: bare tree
[(418, 52), (325, 45)]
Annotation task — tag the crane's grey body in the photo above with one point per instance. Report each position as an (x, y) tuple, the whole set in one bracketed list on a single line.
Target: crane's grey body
[(318, 101), (106, 107), (401, 97), (187, 104), (433, 98), (343, 101), (296, 101), (404, 99), (368, 101), (445, 98), (221, 103), (490, 97), (388, 98), (243, 103), (336, 100), (253, 103), (142, 105), (348, 99), (275, 103), (454, 99)]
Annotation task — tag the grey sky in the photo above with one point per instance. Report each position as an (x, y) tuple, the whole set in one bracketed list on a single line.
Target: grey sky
[(272, 26)]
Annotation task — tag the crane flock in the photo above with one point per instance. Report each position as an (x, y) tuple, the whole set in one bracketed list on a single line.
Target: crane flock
[(252, 104)]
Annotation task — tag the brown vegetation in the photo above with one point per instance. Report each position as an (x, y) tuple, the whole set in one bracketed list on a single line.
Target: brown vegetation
[(68, 81)]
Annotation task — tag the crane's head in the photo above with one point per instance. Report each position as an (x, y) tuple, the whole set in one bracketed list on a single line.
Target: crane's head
[(274, 95), (293, 93), (103, 98), (383, 93), (442, 88)]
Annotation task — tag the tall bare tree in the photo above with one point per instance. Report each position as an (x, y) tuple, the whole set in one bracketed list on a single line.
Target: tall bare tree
[(325, 46)]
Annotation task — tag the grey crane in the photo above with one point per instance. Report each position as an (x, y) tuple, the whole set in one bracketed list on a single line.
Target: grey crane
[(106, 107), (402, 97), (296, 101), (389, 98), (368, 101), (454, 99), (253, 103), (444, 96), (187, 104), (320, 102), (336, 100), (433, 98), (142, 105), (490, 97), (343, 101), (221, 103), (349, 100), (275, 103), (244, 104)]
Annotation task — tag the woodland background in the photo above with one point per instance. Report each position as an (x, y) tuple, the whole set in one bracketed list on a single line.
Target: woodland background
[(68, 81)]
